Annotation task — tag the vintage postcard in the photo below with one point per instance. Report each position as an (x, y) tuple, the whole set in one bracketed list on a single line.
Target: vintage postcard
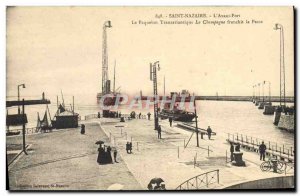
[(150, 98)]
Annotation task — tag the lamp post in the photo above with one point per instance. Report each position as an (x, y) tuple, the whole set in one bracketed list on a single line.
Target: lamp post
[(282, 68), (153, 77), (23, 85), (269, 90)]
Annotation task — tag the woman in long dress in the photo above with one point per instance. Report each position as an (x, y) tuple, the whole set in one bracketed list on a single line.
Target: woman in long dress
[(100, 155)]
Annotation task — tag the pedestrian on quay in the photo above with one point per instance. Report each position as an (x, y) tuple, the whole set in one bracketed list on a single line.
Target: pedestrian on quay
[(99, 115), (262, 151), (159, 132), (170, 120), (149, 114), (130, 147), (127, 147), (237, 147), (140, 114), (100, 158), (115, 155), (231, 151), (109, 158), (209, 131)]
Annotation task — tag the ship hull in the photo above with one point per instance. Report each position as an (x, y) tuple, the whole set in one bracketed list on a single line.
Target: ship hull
[(109, 100)]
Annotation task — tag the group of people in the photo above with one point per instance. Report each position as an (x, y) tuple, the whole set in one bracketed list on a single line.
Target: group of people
[(104, 155), (129, 147)]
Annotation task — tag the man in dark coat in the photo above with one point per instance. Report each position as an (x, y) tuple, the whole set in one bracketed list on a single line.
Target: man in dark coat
[(127, 147), (115, 155), (209, 131), (130, 147), (170, 120), (262, 151), (231, 152), (159, 132), (109, 158), (149, 114)]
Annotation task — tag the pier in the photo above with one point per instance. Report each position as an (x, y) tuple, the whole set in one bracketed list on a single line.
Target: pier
[(281, 151)]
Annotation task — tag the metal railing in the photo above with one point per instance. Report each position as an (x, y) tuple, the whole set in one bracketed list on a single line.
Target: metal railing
[(200, 181), (286, 149)]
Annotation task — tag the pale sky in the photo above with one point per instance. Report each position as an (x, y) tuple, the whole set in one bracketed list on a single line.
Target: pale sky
[(54, 48)]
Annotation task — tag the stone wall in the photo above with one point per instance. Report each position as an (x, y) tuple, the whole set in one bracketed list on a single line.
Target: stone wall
[(282, 182), (286, 122)]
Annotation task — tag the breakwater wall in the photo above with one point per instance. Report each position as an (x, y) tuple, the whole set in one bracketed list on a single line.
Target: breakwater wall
[(287, 122)]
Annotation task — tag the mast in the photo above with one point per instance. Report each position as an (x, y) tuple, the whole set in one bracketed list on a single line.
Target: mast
[(115, 78), (164, 85)]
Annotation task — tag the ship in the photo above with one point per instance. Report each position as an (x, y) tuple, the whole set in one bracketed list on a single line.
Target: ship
[(176, 114), (184, 96)]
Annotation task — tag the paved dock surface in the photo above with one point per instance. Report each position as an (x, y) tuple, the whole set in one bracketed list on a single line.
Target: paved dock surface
[(67, 160)]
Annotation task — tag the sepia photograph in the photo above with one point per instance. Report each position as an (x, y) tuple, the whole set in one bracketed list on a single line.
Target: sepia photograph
[(150, 98)]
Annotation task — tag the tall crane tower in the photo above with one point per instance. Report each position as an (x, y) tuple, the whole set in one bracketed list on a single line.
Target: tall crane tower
[(282, 68), (105, 81)]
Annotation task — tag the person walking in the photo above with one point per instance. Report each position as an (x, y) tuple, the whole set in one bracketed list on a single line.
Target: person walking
[(262, 151), (127, 147), (130, 147), (231, 151), (170, 120), (115, 155), (159, 132), (209, 131), (149, 115), (109, 158), (140, 114)]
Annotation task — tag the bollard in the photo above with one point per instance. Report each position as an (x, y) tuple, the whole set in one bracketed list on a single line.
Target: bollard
[(269, 145), (283, 149), (194, 161)]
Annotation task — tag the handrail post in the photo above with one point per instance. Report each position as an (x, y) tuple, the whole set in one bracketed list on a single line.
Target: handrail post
[(218, 176), (206, 180)]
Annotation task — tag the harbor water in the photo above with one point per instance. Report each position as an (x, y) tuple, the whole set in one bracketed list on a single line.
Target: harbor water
[(223, 117)]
